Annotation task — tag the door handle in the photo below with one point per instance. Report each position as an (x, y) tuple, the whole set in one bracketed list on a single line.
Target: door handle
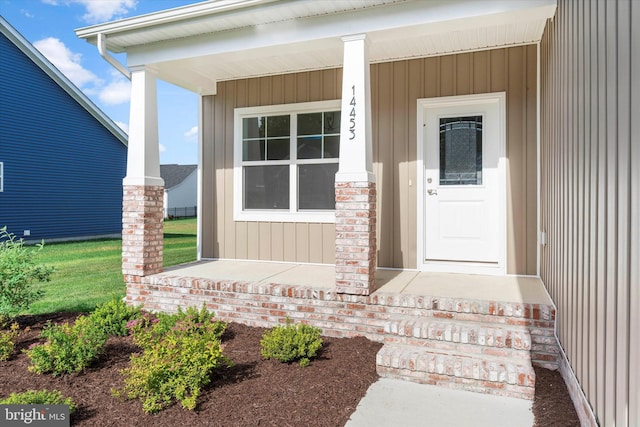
[(432, 192)]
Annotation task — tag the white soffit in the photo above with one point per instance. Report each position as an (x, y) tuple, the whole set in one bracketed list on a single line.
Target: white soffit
[(195, 46)]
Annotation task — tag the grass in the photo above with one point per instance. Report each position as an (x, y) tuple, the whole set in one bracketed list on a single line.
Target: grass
[(88, 273)]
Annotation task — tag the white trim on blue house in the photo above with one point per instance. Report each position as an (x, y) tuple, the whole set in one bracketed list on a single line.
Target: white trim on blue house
[(39, 59)]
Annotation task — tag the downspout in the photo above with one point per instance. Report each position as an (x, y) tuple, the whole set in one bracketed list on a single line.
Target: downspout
[(102, 49)]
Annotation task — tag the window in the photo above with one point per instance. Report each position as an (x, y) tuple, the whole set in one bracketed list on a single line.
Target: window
[(286, 158), (1, 177)]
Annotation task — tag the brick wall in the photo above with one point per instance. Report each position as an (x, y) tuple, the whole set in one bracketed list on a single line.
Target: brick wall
[(355, 237)]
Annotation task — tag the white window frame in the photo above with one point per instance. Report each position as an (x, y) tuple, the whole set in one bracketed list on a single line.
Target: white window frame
[(1, 177), (292, 215)]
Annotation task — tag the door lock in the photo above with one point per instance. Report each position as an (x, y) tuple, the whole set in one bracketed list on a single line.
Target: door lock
[(432, 192)]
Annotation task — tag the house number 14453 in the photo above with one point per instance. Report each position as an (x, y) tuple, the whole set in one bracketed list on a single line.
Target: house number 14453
[(352, 114)]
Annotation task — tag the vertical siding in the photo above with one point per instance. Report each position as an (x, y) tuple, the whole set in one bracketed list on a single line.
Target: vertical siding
[(590, 197), (63, 169), (395, 88)]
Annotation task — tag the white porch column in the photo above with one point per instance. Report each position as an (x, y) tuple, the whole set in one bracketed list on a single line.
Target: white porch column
[(143, 154), (355, 181), (143, 189)]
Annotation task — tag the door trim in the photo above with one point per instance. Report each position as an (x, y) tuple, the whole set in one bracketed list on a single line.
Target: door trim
[(462, 267)]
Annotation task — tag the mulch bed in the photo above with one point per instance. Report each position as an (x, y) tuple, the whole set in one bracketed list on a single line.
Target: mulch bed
[(254, 392)]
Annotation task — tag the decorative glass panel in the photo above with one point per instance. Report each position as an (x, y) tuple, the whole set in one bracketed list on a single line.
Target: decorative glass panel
[(316, 186), (266, 187), (461, 151)]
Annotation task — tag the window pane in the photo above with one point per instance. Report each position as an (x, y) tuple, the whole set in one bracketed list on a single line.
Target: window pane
[(253, 150), (278, 126), (253, 127), (316, 186), (278, 149), (461, 151), (332, 147), (332, 122), (310, 124), (266, 187), (310, 147)]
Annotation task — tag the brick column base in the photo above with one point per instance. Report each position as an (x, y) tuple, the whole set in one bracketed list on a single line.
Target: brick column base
[(355, 237), (142, 239)]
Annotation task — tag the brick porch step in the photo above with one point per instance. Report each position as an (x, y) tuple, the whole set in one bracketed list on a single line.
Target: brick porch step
[(464, 337), (479, 373)]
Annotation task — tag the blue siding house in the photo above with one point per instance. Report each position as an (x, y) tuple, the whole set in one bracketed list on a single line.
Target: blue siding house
[(62, 160)]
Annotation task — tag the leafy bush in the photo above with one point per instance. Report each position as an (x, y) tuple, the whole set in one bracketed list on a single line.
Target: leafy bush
[(112, 316), (39, 397), (18, 273), (8, 341), (289, 342), (180, 353), (68, 348)]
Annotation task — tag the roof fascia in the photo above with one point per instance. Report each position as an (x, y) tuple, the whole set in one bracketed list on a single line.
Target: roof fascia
[(41, 61), (182, 13), (395, 16)]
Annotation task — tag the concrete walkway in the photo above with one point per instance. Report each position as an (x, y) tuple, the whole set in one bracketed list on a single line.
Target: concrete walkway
[(395, 403)]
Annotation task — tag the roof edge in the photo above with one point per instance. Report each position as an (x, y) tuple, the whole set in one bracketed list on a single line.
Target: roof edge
[(63, 81), (166, 16)]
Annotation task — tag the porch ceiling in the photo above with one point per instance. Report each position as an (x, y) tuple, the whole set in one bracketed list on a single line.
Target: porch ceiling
[(196, 46)]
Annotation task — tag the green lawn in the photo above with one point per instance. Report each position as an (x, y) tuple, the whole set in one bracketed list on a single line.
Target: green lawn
[(88, 273)]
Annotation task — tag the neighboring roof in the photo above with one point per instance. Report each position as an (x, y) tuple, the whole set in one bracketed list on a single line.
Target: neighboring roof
[(197, 45), (39, 59), (174, 174)]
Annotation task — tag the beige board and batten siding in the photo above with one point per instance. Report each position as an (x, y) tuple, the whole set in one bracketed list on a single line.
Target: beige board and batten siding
[(590, 199), (395, 88)]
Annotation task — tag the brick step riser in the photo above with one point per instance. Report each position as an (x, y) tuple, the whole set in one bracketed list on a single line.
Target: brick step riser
[(464, 348), (462, 332), (477, 368), (477, 386), (477, 372)]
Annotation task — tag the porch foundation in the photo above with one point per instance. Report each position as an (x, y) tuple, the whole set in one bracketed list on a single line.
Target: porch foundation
[(456, 342), (142, 234), (356, 243)]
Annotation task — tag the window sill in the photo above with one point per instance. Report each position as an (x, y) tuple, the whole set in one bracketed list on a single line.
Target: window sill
[(272, 216)]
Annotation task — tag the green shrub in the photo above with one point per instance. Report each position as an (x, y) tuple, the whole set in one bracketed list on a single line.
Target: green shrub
[(39, 397), (112, 316), (68, 348), (291, 342), (180, 353), (19, 272), (8, 341)]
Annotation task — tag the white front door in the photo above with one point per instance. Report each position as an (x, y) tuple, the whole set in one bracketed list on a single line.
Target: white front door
[(463, 184)]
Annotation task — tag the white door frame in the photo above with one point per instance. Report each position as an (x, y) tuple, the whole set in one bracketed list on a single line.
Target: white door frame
[(462, 267)]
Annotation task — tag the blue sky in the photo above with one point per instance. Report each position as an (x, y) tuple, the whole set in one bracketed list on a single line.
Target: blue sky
[(49, 25)]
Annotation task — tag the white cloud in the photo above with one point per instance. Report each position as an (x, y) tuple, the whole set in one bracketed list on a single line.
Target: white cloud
[(99, 10), (105, 10), (123, 126), (192, 133), (162, 148), (66, 61), (118, 91)]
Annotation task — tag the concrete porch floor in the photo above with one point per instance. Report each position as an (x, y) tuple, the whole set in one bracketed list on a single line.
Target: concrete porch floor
[(525, 289)]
